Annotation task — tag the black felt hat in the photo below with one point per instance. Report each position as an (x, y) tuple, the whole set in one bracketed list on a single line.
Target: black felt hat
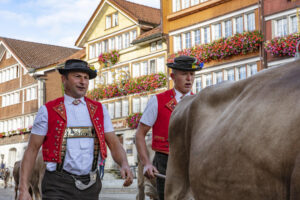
[(78, 65), (185, 63)]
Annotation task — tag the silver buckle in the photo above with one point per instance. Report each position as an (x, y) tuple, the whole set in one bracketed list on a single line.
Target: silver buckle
[(81, 186)]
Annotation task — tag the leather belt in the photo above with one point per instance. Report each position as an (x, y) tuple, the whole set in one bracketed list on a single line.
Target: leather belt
[(80, 132)]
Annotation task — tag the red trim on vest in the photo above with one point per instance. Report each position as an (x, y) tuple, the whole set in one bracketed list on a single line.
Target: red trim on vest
[(166, 104), (57, 123)]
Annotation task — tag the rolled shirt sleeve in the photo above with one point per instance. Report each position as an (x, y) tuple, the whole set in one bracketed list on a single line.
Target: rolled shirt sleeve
[(108, 127), (150, 113), (40, 125)]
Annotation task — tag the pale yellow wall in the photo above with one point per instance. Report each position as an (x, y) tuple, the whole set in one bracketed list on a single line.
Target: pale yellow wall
[(98, 29)]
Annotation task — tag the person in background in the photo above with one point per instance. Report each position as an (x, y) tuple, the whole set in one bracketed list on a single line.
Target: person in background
[(101, 168), (157, 115)]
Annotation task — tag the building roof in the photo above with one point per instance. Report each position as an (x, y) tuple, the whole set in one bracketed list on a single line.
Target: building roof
[(140, 13), (149, 35), (78, 55), (36, 55)]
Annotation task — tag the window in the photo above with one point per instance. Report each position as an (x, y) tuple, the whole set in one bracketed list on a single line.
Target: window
[(111, 43), (230, 74), (108, 22), (136, 70), (132, 35), (119, 42), (152, 67), (206, 32), (185, 4), (208, 80), (144, 68), (217, 31), (153, 46), (124, 108), (197, 37), (31, 94), (253, 69), (242, 72), (161, 64), (159, 44), (219, 77), (144, 101), (177, 43), (281, 28), (294, 24), (176, 5), (194, 2), (239, 24), (92, 52), (198, 84), (251, 22), (135, 105), (228, 28), (115, 19), (8, 55), (117, 109), (188, 43), (126, 40), (111, 110)]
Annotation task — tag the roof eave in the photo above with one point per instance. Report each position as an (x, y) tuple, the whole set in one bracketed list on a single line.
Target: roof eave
[(148, 39)]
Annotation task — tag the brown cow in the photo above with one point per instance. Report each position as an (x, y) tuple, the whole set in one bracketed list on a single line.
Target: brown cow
[(36, 177), (238, 141)]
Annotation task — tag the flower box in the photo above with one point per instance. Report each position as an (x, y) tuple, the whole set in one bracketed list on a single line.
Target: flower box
[(131, 86), (133, 120), (108, 59), (283, 46), (238, 44)]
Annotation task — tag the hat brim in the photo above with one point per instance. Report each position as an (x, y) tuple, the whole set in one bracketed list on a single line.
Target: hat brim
[(92, 74), (171, 65)]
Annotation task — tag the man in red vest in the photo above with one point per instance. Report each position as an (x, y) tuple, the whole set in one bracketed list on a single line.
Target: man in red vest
[(73, 131), (157, 115)]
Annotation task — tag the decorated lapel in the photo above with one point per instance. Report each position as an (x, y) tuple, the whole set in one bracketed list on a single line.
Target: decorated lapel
[(61, 110), (91, 107), (172, 103)]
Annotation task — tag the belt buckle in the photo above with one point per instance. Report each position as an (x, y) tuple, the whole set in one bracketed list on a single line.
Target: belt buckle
[(81, 186)]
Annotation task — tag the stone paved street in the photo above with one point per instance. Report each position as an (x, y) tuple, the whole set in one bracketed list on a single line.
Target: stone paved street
[(112, 190)]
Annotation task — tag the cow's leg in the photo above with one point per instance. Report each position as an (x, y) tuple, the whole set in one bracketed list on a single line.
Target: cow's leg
[(16, 190), (295, 181), (177, 182)]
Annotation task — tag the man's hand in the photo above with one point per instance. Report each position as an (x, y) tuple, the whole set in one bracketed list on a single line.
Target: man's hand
[(126, 173), (149, 171)]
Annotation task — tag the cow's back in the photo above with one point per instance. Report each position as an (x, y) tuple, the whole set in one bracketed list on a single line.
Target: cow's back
[(240, 139)]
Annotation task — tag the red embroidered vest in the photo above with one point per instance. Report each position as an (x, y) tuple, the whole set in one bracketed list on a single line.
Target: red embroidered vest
[(57, 123), (166, 104)]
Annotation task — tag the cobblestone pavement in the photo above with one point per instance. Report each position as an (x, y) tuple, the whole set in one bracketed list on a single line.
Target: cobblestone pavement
[(111, 193)]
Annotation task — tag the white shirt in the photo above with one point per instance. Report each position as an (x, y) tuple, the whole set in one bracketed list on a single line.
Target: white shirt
[(79, 153), (150, 113)]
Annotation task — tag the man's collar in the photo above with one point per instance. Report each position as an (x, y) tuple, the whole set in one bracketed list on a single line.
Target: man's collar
[(69, 99), (179, 94)]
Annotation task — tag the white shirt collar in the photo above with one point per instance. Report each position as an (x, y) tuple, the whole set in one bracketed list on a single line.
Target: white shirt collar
[(179, 94), (69, 100)]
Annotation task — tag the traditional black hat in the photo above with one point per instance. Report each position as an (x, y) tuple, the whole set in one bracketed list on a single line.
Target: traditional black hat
[(78, 65), (185, 63)]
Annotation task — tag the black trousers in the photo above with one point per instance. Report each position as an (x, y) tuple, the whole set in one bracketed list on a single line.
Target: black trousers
[(61, 186), (160, 162)]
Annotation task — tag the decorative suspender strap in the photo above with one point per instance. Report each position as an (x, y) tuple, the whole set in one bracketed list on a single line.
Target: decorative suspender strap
[(96, 151), (79, 132), (59, 166)]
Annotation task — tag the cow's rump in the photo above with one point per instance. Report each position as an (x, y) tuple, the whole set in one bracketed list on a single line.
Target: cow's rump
[(238, 140)]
